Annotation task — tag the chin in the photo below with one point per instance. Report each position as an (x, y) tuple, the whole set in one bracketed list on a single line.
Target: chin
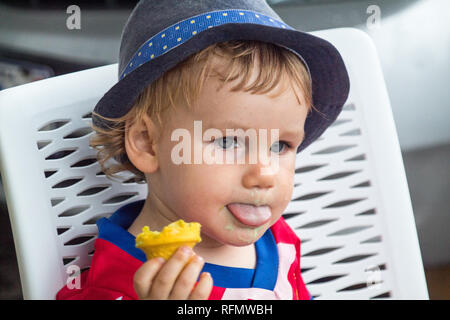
[(246, 237), (243, 242)]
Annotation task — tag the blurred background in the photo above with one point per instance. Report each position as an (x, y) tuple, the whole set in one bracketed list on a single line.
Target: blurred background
[(413, 42)]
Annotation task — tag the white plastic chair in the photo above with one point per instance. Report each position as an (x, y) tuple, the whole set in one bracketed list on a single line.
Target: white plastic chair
[(350, 206)]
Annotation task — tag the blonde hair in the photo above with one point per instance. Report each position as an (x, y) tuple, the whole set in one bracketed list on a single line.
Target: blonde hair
[(182, 85)]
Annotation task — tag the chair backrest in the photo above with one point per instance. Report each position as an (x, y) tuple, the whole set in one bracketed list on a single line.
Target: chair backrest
[(350, 205)]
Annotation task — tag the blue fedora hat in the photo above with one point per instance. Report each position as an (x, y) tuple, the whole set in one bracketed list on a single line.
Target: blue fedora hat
[(159, 34)]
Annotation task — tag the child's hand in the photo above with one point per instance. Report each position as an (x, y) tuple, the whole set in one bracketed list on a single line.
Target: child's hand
[(174, 279)]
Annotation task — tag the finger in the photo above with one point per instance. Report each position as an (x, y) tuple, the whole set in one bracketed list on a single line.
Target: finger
[(203, 288), (186, 280), (143, 277), (165, 279)]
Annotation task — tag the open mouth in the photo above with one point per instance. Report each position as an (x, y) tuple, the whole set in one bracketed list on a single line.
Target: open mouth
[(249, 214)]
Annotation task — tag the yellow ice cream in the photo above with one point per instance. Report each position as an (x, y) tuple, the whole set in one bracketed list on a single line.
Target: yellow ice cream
[(165, 243)]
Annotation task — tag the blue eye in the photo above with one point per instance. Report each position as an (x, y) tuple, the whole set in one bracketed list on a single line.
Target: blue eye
[(226, 142), (277, 146)]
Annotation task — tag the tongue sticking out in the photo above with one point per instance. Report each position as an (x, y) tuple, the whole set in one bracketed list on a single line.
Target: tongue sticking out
[(250, 215)]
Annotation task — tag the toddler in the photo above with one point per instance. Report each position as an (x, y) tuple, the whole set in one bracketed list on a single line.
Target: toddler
[(212, 106)]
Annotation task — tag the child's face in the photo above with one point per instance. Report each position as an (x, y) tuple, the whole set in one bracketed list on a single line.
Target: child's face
[(201, 192)]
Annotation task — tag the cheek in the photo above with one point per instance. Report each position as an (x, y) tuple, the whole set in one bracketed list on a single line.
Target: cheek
[(205, 179), (287, 191), (285, 185), (192, 186)]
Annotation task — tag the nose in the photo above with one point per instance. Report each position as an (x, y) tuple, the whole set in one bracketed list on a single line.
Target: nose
[(259, 175)]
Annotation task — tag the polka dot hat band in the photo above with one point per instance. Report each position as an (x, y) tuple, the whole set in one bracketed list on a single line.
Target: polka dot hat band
[(159, 34), (178, 33)]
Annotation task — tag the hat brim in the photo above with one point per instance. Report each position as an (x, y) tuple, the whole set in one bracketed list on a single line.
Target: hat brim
[(330, 81)]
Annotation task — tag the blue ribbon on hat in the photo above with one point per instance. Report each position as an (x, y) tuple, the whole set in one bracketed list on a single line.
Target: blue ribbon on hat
[(182, 31)]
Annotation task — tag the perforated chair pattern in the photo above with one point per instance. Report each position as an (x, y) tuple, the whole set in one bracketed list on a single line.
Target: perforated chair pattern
[(350, 205)]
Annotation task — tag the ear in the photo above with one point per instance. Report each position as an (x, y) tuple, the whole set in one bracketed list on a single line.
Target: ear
[(141, 146)]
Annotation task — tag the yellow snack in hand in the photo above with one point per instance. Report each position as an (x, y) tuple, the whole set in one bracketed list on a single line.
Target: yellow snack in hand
[(165, 243)]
